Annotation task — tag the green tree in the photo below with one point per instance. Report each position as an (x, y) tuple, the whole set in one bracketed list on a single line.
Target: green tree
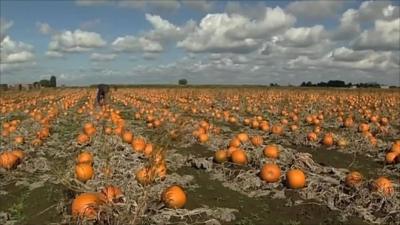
[(182, 82), (53, 82), (44, 83)]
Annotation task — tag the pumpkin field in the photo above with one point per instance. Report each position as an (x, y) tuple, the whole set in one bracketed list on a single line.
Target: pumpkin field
[(200, 155)]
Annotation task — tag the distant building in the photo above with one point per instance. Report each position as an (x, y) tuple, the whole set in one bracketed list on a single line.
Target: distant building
[(385, 87), (21, 87)]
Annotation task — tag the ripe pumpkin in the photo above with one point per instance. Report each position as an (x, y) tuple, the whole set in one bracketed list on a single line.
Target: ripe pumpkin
[(221, 156), (19, 140), (235, 142), (127, 137), (364, 127), (257, 140), (84, 172), (148, 150), (277, 129), (138, 144), (86, 205), (270, 173), (328, 139), (174, 197), (8, 160), (143, 176), (82, 139), (85, 157), (390, 157), (383, 185), (271, 151), (312, 136), (239, 157), (295, 178), (243, 137), (203, 138), (354, 179), (19, 153), (112, 194)]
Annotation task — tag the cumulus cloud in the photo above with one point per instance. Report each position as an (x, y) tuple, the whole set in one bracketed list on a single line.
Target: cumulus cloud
[(235, 33), (75, 41), (303, 36), (4, 26), (315, 9), (54, 54), (15, 54), (384, 36), (102, 57), (136, 44)]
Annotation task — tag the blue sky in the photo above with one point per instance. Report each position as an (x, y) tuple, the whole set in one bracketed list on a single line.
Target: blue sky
[(236, 42)]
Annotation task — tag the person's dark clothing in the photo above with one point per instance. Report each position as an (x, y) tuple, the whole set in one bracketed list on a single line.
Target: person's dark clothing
[(102, 90)]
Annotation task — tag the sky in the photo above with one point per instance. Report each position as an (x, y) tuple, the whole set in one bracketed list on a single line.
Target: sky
[(86, 42)]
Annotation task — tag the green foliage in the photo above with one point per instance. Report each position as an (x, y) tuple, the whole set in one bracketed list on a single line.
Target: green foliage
[(53, 82), (182, 82)]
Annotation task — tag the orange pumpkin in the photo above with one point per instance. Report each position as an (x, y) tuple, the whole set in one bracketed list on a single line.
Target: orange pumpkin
[(86, 205), (239, 157), (271, 151), (174, 197), (220, 156), (8, 160), (143, 176), (85, 157), (383, 185), (295, 179), (328, 139), (354, 179), (138, 144), (203, 138), (127, 137), (312, 136), (19, 153), (84, 172), (243, 137), (82, 139), (112, 193), (270, 173), (257, 140)]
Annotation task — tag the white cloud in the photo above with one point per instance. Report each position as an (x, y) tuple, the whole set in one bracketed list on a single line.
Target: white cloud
[(54, 54), (235, 33), (75, 41), (4, 26), (136, 44), (315, 9), (349, 26), (384, 36), (102, 57), (92, 2), (15, 55), (303, 36)]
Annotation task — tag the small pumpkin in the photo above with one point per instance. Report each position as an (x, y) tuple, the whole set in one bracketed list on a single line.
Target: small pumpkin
[(354, 179), (271, 151), (239, 156), (220, 156), (84, 172), (383, 185)]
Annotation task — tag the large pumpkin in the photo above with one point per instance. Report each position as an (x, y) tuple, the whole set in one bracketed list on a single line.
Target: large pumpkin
[(86, 205), (295, 178), (174, 197), (270, 173)]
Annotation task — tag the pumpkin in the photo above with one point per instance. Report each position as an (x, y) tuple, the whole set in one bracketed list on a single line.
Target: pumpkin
[(354, 179), (395, 148), (271, 151), (256, 140), (312, 136), (295, 179), (86, 205), (148, 150), (138, 144), (239, 157), (390, 157), (143, 176), (19, 140), (127, 137), (112, 194), (277, 129), (108, 130), (85, 157), (8, 160), (220, 156), (243, 137), (203, 138), (84, 172), (82, 139), (235, 142), (348, 122), (383, 185), (363, 127), (270, 173), (174, 197), (328, 139)]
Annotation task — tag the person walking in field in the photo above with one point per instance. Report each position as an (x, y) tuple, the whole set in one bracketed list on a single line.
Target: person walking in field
[(102, 91)]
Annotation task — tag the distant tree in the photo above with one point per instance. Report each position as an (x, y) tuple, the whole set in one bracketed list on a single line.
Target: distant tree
[(309, 84), (303, 84), (53, 82), (44, 83), (182, 82)]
